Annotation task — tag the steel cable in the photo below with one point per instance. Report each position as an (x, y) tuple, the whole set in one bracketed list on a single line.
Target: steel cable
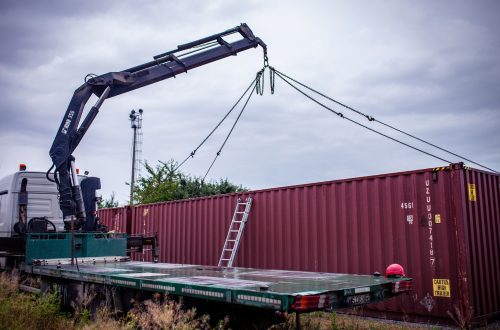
[(370, 118), (191, 155), (234, 124), (358, 123)]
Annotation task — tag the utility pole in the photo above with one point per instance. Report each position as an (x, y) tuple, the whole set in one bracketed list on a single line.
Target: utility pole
[(136, 125)]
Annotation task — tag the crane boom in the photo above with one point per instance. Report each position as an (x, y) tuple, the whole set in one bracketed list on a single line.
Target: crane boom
[(167, 65)]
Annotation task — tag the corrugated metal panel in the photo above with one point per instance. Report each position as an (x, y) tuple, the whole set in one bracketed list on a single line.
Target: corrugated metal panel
[(189, 231), (115, 219), (422, 219), (482, 207)]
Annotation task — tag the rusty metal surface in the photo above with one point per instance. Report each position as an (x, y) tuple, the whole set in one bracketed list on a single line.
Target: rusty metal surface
[(421, 219)]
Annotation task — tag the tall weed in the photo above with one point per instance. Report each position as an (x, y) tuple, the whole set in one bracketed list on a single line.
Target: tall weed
[(28, 311)]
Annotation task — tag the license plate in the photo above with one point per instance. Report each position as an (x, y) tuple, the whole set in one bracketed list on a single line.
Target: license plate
[(360, 299)]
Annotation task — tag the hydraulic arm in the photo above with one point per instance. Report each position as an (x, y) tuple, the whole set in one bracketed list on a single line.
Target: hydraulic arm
[(163, 66)]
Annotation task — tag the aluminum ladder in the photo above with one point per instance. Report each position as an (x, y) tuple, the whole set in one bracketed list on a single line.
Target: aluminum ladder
[(234, 233)]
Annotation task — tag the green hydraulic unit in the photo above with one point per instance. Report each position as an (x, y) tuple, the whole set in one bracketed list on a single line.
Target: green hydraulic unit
[(58, 245)]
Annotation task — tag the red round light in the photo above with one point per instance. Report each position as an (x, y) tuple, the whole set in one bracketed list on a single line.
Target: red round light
[(22, 167), (395, 270)]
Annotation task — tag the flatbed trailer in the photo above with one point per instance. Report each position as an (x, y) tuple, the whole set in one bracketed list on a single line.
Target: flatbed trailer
[(83, 263), (280, 290), (48, 255)]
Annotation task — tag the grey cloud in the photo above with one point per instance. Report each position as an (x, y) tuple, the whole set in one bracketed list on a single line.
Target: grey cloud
[(427, 68)]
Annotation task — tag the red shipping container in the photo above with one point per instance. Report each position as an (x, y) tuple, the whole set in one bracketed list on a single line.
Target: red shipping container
[(115, 218), (441, 224)]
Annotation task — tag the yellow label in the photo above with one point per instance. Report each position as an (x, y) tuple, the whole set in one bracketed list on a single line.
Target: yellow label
[(437, 218), (441, 287), (145, 212), (472, 192)]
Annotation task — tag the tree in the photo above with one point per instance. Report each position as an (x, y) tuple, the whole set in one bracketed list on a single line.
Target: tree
[(107, 203), (164, 183)]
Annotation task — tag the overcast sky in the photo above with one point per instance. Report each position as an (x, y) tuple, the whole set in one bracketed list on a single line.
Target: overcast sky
[(431, 68)]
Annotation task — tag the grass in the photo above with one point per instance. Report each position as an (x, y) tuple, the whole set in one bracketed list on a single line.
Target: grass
[(167, 315), (335, 321), (28, 311)]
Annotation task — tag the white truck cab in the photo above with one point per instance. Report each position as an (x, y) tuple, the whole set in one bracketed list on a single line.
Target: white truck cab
[(42, 200)]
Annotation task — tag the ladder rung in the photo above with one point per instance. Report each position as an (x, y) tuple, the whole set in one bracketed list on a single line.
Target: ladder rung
[(236, 226)]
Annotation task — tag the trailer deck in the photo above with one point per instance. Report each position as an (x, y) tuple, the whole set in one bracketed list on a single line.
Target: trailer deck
[(281, 290)]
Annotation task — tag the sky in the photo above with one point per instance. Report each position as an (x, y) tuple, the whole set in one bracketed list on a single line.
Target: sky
[(431, 68)]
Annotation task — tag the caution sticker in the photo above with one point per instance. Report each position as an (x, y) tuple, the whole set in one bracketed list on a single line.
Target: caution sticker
[(441, 287), (437, 218), (472, 192)]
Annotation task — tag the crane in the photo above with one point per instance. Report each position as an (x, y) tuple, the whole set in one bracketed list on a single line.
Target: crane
[(163, 66)]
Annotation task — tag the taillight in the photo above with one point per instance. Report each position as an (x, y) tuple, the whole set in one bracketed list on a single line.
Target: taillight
[(401, 286), (303, 303)]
